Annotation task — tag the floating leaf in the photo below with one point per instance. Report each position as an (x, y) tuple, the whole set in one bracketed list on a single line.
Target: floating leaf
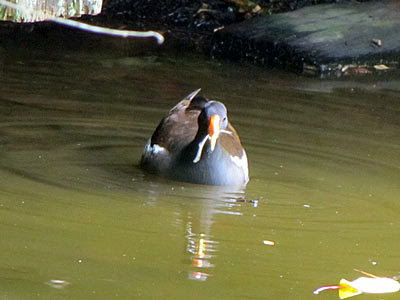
[(346, 290), (375, 285), (367, 285)]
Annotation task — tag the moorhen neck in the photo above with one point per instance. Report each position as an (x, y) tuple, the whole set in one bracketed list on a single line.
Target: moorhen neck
[(196, 143)]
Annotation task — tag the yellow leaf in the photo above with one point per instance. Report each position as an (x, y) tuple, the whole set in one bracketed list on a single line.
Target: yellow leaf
[(346, 290)]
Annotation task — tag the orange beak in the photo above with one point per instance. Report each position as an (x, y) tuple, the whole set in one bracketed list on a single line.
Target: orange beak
[(213, 130)]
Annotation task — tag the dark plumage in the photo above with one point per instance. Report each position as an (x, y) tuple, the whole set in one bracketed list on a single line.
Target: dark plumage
[(196, 143)]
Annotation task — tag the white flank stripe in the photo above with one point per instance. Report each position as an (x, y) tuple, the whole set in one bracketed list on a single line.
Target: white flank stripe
[(241, 162)]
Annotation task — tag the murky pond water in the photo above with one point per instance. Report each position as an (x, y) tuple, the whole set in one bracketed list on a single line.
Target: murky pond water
[(80, 220)]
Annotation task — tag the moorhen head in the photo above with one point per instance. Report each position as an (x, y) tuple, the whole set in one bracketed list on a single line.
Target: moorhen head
[(196, 143)]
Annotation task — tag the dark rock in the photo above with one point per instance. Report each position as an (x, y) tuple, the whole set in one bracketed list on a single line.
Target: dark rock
[(321, 37)]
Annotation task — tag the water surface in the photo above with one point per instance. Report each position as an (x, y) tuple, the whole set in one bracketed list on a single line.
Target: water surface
[(80, 220)]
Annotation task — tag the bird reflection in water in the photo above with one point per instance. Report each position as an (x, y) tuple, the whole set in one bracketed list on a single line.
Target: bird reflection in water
[(201, 245), (201, 250), (199, 207)]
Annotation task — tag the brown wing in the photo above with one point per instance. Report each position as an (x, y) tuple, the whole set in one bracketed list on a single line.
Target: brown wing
[(231, 142), (179, 127)]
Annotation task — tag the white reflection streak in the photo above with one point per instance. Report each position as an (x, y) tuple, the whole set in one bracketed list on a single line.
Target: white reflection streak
[(57, 284)]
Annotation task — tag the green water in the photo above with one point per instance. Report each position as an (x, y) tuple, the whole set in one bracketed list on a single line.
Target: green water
[(74, 207)]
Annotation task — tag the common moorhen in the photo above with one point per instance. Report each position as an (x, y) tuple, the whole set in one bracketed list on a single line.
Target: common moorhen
[(195, 143)]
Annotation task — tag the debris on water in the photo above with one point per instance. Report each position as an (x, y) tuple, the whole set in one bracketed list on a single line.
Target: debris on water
[(381, 67), (363, 285), (372, 262), (355, 69), (268, 242), (377, 42)]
